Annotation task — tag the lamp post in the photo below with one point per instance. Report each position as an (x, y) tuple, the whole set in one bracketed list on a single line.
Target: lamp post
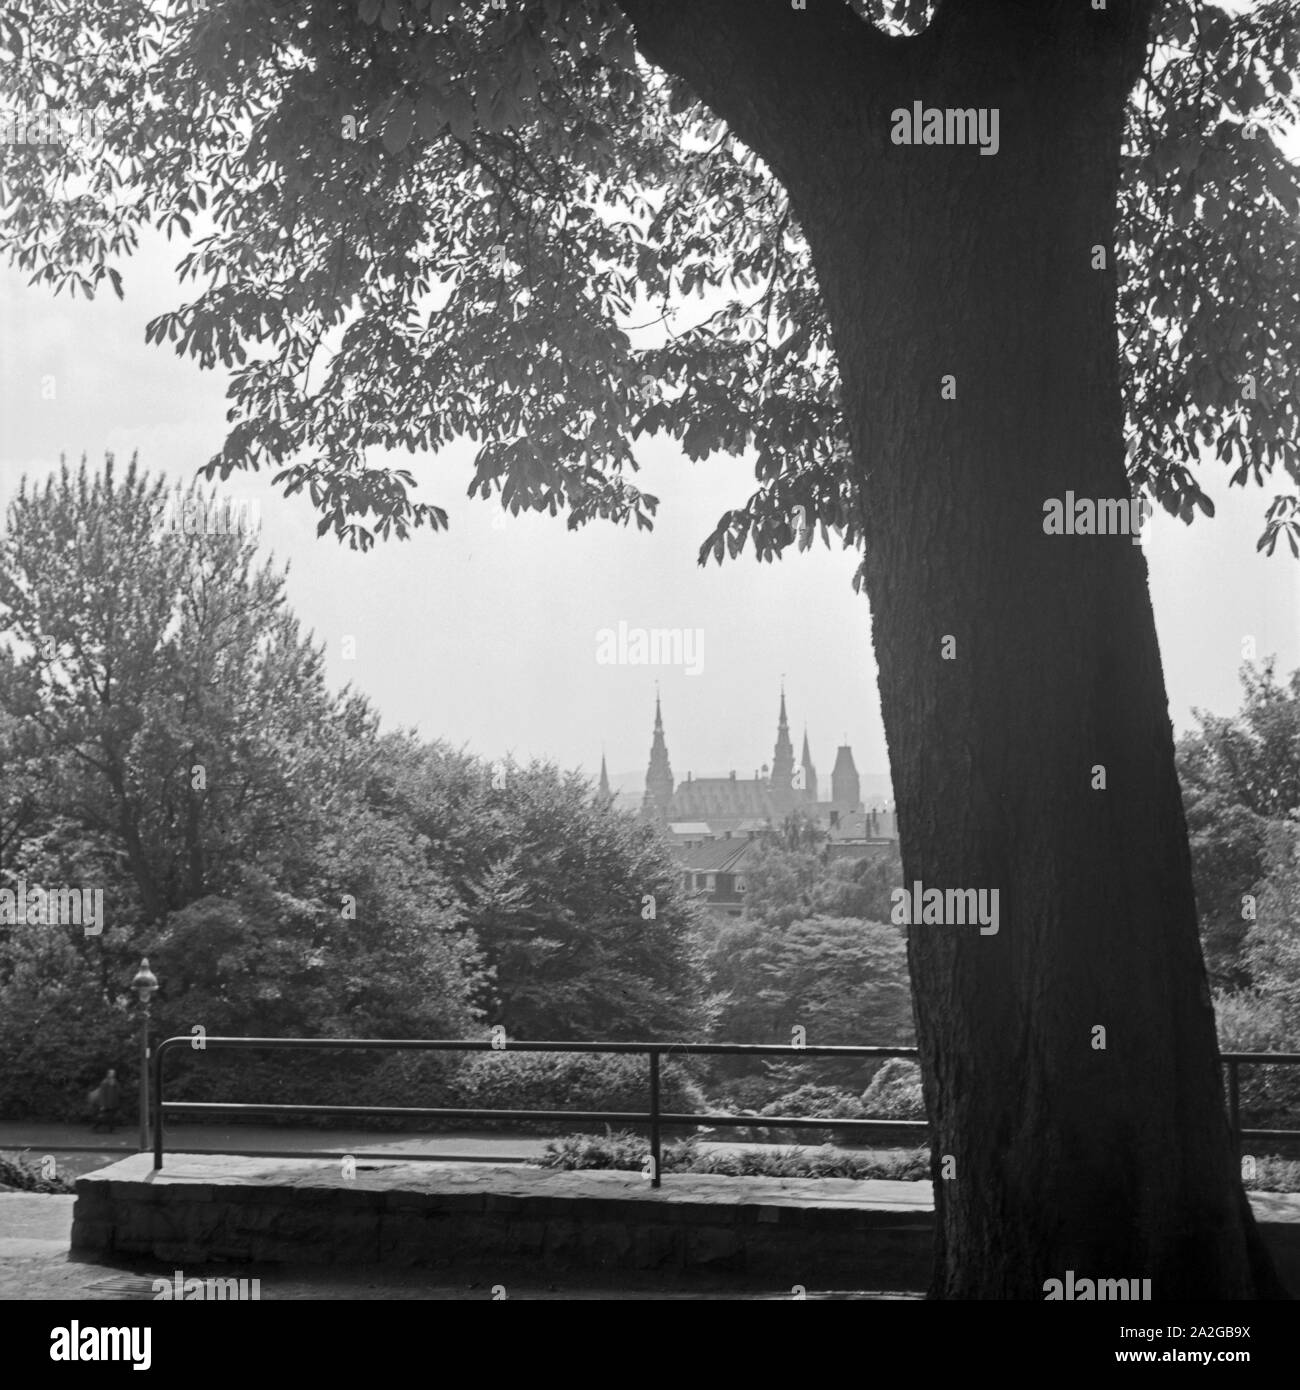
[(145, 984)]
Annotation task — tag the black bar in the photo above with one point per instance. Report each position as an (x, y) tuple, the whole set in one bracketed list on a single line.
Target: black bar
[(214, 1107), (485, 1045), (655, 1146), (602, 1116), (379, 1156)]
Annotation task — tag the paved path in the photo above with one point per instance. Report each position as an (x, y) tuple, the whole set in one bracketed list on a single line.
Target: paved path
[(77, 1149)]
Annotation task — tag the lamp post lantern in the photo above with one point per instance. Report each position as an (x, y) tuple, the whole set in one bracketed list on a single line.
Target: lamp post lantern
[(145, 985)]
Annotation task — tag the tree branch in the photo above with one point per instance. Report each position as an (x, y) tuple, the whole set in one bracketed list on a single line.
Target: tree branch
[(760, 65)]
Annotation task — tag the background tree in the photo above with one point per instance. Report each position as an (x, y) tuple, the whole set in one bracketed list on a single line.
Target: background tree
[(163, 684), (920, 345), (1264, 1014), (1240, 776), (781, 883), (578, 908), (841, 979), (808, 950), (862, 888), (1273, 941), (17, 794), (797, 831), (787, 884)]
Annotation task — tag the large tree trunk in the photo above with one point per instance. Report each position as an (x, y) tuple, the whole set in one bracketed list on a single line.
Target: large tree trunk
[(1114, 1160)]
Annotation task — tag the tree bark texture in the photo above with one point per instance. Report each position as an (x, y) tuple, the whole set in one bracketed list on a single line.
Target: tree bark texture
[(976, 342)]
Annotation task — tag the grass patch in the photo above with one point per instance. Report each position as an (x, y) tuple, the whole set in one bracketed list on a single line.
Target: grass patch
[(1274, 1174)]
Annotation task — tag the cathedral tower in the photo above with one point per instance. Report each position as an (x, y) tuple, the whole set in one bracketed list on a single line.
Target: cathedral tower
[(659, 775), (846, 792), (784, 795)]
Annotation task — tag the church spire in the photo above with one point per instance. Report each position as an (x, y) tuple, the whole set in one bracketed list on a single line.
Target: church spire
[(659, 775), (604, 779), (782, 784), (809, 771)]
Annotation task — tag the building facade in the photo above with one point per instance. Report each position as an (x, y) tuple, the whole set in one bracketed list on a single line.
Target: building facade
[(713, 823), (702, 809)]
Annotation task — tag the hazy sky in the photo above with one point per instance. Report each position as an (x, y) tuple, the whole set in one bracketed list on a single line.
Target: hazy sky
[(487, 635)]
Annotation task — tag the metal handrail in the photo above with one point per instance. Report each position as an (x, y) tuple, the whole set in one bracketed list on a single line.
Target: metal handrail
[(1233, 1060), (654, 1117)]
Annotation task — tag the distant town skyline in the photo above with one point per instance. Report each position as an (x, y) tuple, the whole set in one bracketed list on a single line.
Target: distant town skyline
[(629, 785), (512, 636)]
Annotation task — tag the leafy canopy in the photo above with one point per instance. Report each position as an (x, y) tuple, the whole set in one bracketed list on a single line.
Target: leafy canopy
[(417, 220), (156, 688)]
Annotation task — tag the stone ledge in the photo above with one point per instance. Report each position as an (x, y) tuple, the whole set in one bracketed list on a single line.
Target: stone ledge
[(406, 1213)]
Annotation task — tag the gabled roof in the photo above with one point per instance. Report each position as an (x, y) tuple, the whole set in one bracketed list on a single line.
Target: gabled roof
[(717, 857), (706, 798)]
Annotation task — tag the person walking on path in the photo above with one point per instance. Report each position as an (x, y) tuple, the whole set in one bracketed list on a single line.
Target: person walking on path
[(105, 1099)]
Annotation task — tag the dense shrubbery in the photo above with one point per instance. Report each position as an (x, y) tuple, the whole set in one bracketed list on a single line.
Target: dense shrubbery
[(621, 1150), (625, 1151), (1274, 1174), (810, 1101), (1251, 1021), (895, 1092), (907, 1165), (20, 1174), (571, 1080), (815, 1101), (59, 1032), (628, 1152), (494, 1080)]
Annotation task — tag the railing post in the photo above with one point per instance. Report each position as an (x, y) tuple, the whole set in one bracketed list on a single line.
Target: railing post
[(144, 1080), (1234, 1103), (157, 1107), (655, 1154)]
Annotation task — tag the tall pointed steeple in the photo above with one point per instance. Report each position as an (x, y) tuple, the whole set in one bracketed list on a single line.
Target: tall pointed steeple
[(659, 775), (604, 780), (809, 771), (783, 792)]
